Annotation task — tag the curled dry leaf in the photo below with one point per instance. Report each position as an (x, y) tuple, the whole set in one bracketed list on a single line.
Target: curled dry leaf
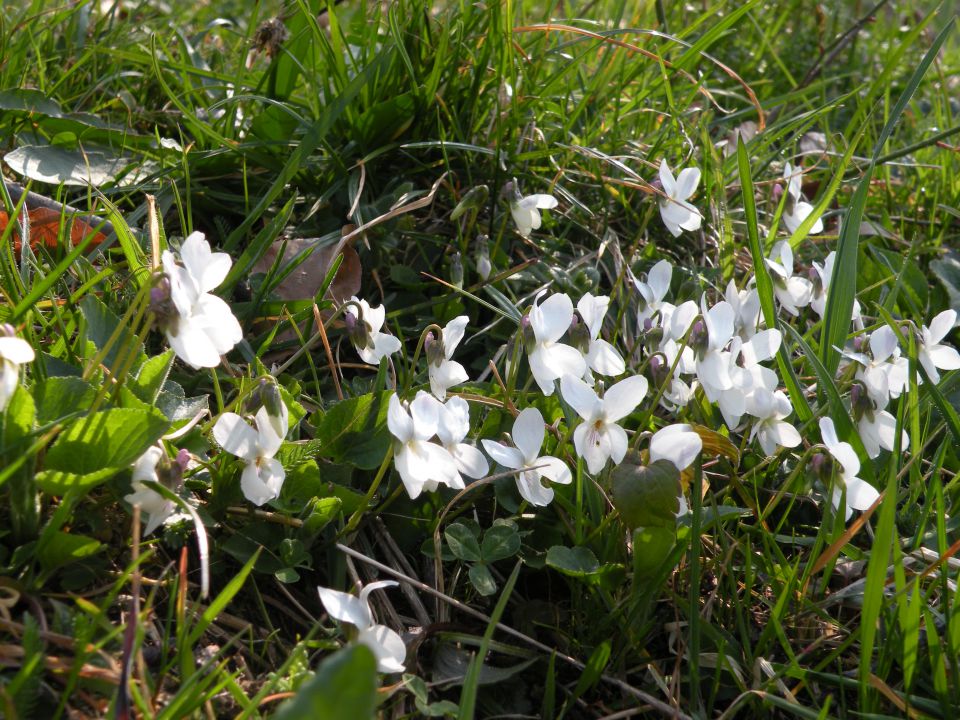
[(45, 229)]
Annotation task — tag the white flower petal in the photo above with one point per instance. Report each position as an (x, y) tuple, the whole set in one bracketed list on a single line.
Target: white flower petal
[(470, 461), (593, 309), (398, 420), (346, 608), (659, 279), (941, 325), (509, 457), (604, 358), (551, 319), (563, 360), (527, 433), (425, 412), (532, 490), (622, 398), (453, 333), (447, 375), (269, 440), (454, 421), (677, 443), (944, 357), (236, 437), (883, 341), (192, 345), (667, 180), (581, 397), (687, 182), (860, 494), (762, 346), (16, 350), (386, 645), (554, 469)]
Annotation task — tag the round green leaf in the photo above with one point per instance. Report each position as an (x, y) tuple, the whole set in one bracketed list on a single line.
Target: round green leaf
[(646, 495)]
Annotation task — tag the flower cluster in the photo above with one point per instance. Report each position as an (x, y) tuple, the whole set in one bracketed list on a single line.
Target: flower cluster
[(607, 384)]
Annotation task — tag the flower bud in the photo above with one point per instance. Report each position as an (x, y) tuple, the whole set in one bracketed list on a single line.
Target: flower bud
[(161, 305), (777, 191), (511, 191), (579, 335), (456, 271), (859, 343), (170, 472), (484, 266), (434, 349), (474, 199), (658, 369), (270, 396), (526, 332), (7, 330), (699, 337), (357, 329), (821, 465), (860, 401)]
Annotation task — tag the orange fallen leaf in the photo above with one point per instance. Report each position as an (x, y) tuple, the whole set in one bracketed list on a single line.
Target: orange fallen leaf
[(45, 229)]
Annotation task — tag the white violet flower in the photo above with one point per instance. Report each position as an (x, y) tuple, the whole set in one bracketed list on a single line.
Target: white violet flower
[(601, 356), (770, 430), (526, 211), (452, 428), (793, 291), (527, 436), (199, 326), (363, 327), (653, 291), (678, 214), (263, 475), (386, 644), (860, 494), (155, 505), (933, 354), (444, 372), (14, 352), (598, 438), (550, 359), (797, 208), (819, 302), (422, 465)]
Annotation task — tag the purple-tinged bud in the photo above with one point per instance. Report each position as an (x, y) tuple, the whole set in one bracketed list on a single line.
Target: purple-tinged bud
[(821, 465), (162, 306), (647, 324), (657, 185), (777, 191), (170, 472), (357, 329), (658, 369), (434, 349), (7, 330), (699, 337), (860, 401), (528, 335), (859, 343)]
